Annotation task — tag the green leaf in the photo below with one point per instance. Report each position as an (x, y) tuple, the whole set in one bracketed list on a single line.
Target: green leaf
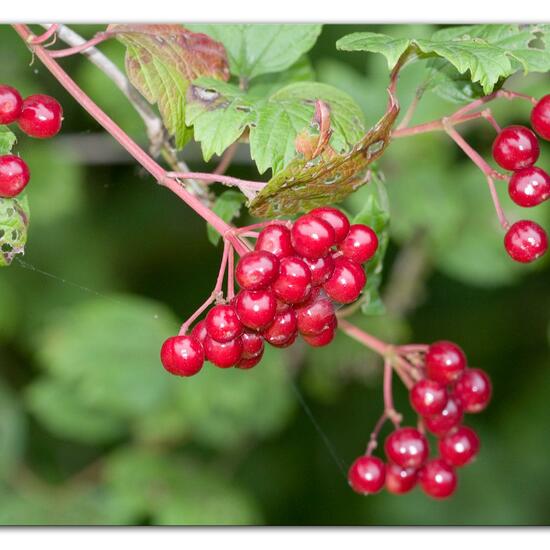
[(7, 140), (14, 221), (391, 48), (227, 207), (60, 408), (173, 491), (12, 432), (257, 49), (107, 349), (290, 110), (161, 61)]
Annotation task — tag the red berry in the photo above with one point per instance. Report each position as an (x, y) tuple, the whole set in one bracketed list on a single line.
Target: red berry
[(321, 269), (223, 324), (323, 338), (275, 238), (11, 104), (438, 479), (529, 187), (525, 241), (199, 331), (312, 237), (360, 244), (14, 175), (540, 117), (347, 281), (366, 475), (428, 397), (282, 331), (182, 355), (223, 354), (338, 220), (293, 284), (473, 390), (400, 480), (459, 447), (516, 147), (40, 116), (253, 344), (257, 270), (256, 308), (249, 362), (315, 316), (407, 448), (445, 362), (450, 417)]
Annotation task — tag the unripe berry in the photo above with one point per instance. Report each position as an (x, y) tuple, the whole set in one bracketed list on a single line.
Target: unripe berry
[(516, 147), (473, 390), (338, 220), (400, 480), (293, 284), (312, 237), (529, 187), (360, 244), (540, 117), (223, 354), (256, 308), (257, 270), (428, 397), (525, 241), (407, 448), (366, 475), (438, 479), (11, 104), (347, 281), (223, 324), (459, 447), (41, 116), (445, 362), (182, 355), (450, 417), (275, 238), (14, 175)]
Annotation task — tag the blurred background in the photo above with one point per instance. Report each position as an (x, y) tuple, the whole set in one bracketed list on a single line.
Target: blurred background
[(93, 431)]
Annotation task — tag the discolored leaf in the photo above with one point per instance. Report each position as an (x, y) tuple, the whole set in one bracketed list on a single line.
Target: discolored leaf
[(7, 140), (161, 61), (14, 221)]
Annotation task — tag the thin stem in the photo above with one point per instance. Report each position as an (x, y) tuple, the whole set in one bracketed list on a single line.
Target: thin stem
[(389, 409), (230, 274), (373, 439), (249, 188), (45, 36), (364, 338), (66, 52), (413, 348)]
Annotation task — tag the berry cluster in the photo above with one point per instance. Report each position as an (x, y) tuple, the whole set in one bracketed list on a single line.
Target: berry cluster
[(37, 116), (289, 285), (445, 391), (516, 148)]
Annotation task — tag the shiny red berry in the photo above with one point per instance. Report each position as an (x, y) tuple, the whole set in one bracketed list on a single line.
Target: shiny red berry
[(11, 104), (438, 479), (282, 331), (516, 147), (366, 475), (321, 269), (315, 316), (14, 175), (199, 331), (428, 397), (459, 447), (323, 338), (473, 389), (253, 344), (257, 270), (360, 244), (529, 187), (347, 281), (407, 448), (223, 323), (525, 241), (540, 117), (248, 363), (400, 480), (450, 417), (182, 355), (293, 284), (312, 237), (256, 308), (445, 362), (41, 116), (223, 354), (275, 238), (338, 220)]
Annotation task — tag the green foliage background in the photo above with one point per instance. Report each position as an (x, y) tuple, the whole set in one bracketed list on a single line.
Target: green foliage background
[(92, 431)]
